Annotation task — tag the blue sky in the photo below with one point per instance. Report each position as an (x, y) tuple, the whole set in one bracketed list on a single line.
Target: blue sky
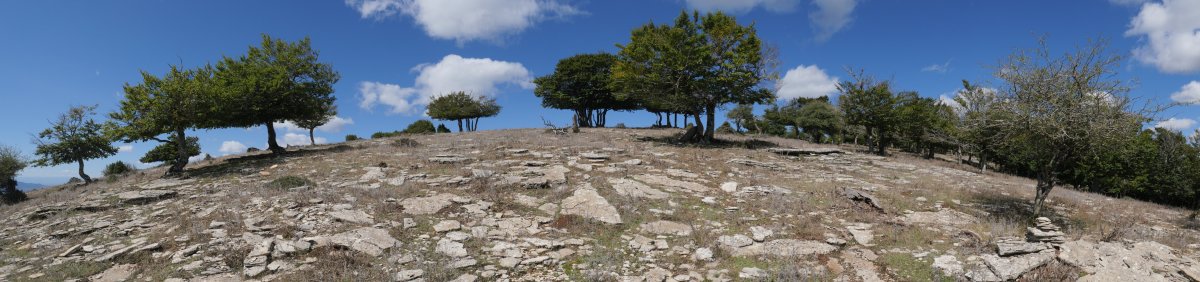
[(392, 54)]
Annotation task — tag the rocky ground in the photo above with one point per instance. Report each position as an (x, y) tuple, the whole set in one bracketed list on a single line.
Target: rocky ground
[(603, 205)]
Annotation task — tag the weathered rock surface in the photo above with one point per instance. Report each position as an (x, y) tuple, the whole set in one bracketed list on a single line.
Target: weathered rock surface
[(587, 203), (140, 197), (368, 240)]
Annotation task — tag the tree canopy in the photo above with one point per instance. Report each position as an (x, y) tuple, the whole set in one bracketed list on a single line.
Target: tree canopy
[(181, 100), (74, 138), (462, 107), (583, 84), (871, 104), (11, 163)]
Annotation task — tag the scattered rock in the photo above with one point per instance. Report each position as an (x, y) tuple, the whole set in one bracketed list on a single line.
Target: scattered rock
[(863, 197), (663, 227), (632, 188), (587, 203), (368, 240), (1045, 231), (427, 205), (1013, 246), (409, 275), (757, 164), (353, 216), (117, 273), (446, 226), (141, 197)]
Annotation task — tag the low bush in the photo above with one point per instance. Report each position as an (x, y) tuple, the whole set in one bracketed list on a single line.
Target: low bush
[(288, 182), (420, 127), (117, 168), (352, 137)]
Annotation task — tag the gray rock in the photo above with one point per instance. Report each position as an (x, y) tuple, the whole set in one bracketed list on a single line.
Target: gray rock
[(759, 233), (427, 205), (353, 216), (663, 227), (142, 197), (117, 273), (256, 261), (446, 226), (368, 240), (450, 248), (587, 203), (409, 275), (632, 188), (735, 241), (1012, 246), (1009, 268)]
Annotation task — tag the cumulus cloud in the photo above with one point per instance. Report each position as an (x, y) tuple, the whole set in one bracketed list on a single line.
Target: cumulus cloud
[(232, 147), (949, 101), (125, 149), (1171, 35), (1177, 124), (477, 76), (938, 68), (1188, 94), (741, 6), (806, 81), (295, 139), (467, 20), (831, 16), (196, 158), (335, 124)]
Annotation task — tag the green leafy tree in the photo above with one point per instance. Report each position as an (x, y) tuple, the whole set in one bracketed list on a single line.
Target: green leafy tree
[(925, 126), (819, 119), (1055, 110), (74, 138), (179, 101), (420, 127), (167, 152), (695, 66), (583, 84), (274, 82), (11, 163), (977, 132), (740, 115), (869, 103), (320, 115), (462, 107)]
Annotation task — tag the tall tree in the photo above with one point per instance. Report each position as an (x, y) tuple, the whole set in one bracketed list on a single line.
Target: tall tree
[(11, 163), (695, 66), (181, 100), (818, 118), (74, 138), (741, 115), (274, 82), (869, 103), (1057, 109), (977, 132), (583, 84), (925, 125), (319, 115)]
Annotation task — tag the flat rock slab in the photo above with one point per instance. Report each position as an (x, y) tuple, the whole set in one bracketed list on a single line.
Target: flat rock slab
[(757, 164), (354, 216), (427, 205), (668, 182), (1009, 268), (861, 233), (632, 188), (664, 227), (941, 217), (587, 203), (1105, 261), (142, 197), (116, 273), (448, 159), (784, 248), (368, 240), (1012, 246), (805, 151)]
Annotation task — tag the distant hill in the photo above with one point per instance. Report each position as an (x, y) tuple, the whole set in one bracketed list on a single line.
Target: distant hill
[(26, 186)]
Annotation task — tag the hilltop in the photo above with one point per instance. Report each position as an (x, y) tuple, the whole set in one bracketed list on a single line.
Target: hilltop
[(602, 205)]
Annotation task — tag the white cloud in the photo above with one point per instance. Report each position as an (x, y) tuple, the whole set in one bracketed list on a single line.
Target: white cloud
[(232, 147), (831, 16), (938, 68), (741, 6), (336, 124), (295, 139), (1188, 94), (1171, 35), (196, 158), (467, 20), (808, 82), (949, 101), (125, 149), (477, 76), (1177, 124)]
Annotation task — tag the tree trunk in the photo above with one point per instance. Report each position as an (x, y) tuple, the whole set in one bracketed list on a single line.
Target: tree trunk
[(181, 154), (460, 125), (271, 143), (669, 124), (312, 141), (677, 121), (86, 179), (575, 123), (658, 121), (710, 128), (1044, 185)]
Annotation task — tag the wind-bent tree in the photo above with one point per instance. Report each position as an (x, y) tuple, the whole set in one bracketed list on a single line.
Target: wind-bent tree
[(168, 153), (317, 116), (274, 82), (1054, 110), (695, 66), (869, 103), (462, 107), (179, 101), (11, 163), (74, 138), (583, 84), (741, 115)]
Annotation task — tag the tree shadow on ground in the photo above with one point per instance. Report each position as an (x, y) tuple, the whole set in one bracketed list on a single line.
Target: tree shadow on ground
[(674, 140), (258, 162), (1013, 208)]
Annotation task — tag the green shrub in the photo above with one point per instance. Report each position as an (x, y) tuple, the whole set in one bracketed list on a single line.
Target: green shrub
[(442, 128), (420, 127), (620, 125), (725, 128), (352, 137), (288, 182), (117, 168), (382, 134)]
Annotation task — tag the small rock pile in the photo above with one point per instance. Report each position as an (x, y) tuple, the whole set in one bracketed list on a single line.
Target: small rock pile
[(1046, 232)]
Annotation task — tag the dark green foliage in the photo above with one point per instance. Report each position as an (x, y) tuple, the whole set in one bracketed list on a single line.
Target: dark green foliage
[(442, 128), (741, 115), (73, 139), (583, 84), (462, 107), (288, 182), (352, 137), (11, 163), (420, 127), (179, 101), (620, 125), (274, 82), (725, 128), (117, 168), (869, 103), (382, 134), (924, 125), (318, 114), (167, 152)]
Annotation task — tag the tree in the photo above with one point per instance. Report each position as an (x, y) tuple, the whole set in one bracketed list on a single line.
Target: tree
[(169, 154), (1054, 110), (695, 66), (420, 127), (740, 115), (583, 84), (977, 132), (274, 82), (11, 163), (818, 118), (441, 128), (869, 103), (74, 138), (462, 107), (320, 115), (179, 101), (924, 125)]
